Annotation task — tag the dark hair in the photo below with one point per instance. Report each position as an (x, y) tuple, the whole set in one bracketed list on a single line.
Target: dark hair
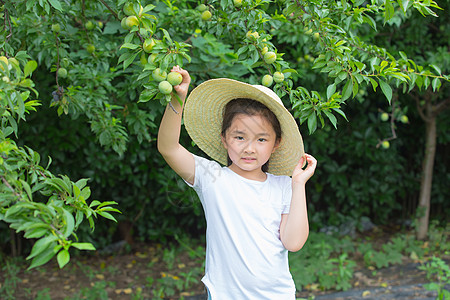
[(249, 107)]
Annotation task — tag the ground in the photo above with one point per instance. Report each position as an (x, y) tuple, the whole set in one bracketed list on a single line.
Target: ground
[(147, 270)]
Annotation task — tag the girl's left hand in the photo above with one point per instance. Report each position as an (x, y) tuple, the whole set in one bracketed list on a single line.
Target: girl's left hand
[(301, 175)]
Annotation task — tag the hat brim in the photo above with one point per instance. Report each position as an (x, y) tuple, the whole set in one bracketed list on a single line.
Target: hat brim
[(203, 121)]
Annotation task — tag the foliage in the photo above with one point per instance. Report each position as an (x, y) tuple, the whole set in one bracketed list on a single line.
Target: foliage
[(108, 91), (436, 268)]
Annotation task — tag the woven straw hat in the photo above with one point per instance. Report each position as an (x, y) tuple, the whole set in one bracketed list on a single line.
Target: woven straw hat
[(203, 121)]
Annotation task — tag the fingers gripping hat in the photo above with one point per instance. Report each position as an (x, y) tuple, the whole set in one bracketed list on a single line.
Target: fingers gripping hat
[(203, 121)]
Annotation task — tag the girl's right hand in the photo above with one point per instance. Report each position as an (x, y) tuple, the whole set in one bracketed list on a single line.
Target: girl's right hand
[(183, 87)]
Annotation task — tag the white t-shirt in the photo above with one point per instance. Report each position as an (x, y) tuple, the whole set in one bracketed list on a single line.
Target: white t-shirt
[(245, 258)]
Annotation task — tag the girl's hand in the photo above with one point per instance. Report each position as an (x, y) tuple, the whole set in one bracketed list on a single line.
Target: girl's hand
[(301, 175), (183, 87)]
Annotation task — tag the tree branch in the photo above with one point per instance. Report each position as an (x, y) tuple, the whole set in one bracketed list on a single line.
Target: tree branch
[(110, 9)]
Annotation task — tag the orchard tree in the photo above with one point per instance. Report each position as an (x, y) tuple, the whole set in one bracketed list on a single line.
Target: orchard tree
[(109, 61)]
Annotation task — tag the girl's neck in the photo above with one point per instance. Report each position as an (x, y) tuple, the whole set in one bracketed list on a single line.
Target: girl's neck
[(257, 175)]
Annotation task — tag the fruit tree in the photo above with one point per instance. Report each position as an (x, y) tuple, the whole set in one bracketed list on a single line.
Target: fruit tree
[(108, 61)]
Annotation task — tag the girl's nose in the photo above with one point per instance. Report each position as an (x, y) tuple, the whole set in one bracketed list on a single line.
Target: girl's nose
[(249, 147)]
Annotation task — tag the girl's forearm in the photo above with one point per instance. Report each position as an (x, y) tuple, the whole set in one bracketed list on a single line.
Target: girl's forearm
[(296, 228), (170, 127)]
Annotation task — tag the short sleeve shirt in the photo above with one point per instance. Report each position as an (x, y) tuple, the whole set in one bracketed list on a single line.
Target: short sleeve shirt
[(245, 258)]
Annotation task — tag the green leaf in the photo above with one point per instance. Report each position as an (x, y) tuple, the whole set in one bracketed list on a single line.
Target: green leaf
[(374, 84), (83, 246), (312, 123), (43, 258), (347, 90), (30, 67), (106, 215), (129, 46), (56, 4), (387, 90), (69, 222), (331, 117), (63, 258), (41, 245), (331, 89), (388, 10), (436, 84)]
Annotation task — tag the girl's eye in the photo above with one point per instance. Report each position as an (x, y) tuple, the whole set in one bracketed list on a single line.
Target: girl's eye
[(239, 138), (262, 140)]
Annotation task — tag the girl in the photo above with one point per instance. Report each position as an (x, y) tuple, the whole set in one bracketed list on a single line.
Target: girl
[(255, 212)]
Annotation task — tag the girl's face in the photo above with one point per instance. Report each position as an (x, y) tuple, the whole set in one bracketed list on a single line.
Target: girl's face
[(250, 140)]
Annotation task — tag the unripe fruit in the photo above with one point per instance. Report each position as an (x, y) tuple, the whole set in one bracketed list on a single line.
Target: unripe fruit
[(174, 78), (151, 58), (90, 48), (267, 80), (62, 73), (206, 15), (385, 144), (384, 117), (4, 60), (404, 119), (237, 3), (100, 24), (132, 21), (278, 77), (316, 36), (148, 45), (252, 35), (56, 27), (89, 25), (264, 50), (165, 87), (308, 31), (124, 24), (202, 7), (159, 75), (270, 57)]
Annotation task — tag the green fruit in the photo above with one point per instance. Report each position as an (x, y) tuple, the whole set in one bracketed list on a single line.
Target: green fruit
[(165, 87), (308, 31), (132, 21), (384, 117), (90, 48), (159, 75), (62, 73), (385, 144), (151, 58), (206, 15), (5, 61), (237, 3), (316, 36), (278, 77), (252, 35), (174, 78), (264, 50), (202, 7), (56, 27), (148, 45), (404, 119), (89, 25), (270, 57), (100, 24), (123, 23), (267, 80)]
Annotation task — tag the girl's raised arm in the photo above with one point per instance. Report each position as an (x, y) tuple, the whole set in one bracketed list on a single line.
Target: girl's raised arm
[(178, 158)]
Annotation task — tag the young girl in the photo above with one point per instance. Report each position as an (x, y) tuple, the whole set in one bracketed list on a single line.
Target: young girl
[(255, 212)]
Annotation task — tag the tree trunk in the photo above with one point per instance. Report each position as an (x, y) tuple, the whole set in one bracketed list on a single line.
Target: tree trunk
[(427, 177)]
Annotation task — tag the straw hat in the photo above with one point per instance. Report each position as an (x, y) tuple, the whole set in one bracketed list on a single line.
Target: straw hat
[(203, 121)]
